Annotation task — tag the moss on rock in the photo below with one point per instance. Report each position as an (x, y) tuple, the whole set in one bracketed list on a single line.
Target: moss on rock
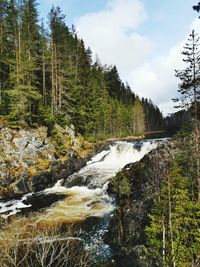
[(31, 152)]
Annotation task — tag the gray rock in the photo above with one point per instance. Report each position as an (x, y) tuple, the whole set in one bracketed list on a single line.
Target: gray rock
[(70, 131), (37, 142), (30, 151), (20, 142), (25, 148)]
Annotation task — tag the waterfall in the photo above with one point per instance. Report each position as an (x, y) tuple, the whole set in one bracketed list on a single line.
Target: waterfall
[(106, 164), (87, 194)]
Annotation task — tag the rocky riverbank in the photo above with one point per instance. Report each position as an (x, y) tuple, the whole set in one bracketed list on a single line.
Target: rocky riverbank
[(30, 160), (134, 188)]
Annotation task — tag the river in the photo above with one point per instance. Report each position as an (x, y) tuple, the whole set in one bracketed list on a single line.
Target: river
[(83, 195)]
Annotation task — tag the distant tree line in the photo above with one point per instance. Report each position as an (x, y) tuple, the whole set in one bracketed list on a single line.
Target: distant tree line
[(174, 122), (47, 75)]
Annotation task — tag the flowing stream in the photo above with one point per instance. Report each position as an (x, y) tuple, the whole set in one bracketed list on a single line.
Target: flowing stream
[(89, 198), (83, 195)]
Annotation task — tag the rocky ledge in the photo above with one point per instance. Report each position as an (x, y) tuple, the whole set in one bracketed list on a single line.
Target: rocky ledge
[(30, 160), (134, 188)]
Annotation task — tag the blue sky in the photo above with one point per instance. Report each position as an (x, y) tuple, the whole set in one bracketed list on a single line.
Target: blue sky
[(72, 8), (142, 37), (168, 20)]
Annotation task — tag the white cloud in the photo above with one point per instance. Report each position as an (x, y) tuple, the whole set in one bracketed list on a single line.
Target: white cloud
[(111, 33), (114, 35), (156, 79), (167, 108)]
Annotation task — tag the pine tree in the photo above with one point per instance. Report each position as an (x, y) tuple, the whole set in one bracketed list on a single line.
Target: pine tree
[(60, 63), (114, 82), (44, 57), (190, 91), (138, 118), (3, 51), (24, 93), (3, 5)]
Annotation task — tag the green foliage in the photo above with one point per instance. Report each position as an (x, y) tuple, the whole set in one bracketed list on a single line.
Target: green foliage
[(125, 187), (173, 232), (121, 185), (46, 118), (48, 75), (186, 156)]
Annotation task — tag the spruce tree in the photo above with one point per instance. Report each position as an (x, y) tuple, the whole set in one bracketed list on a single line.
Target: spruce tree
[(189, 88), (24, 93), (138, 118), (4, 50)]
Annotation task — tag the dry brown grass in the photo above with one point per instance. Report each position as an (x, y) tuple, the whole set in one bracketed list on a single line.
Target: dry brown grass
[(28, 242)]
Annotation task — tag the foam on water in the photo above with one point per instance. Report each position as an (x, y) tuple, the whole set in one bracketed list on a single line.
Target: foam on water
[(13, 206), (81, 202), (106, 164)]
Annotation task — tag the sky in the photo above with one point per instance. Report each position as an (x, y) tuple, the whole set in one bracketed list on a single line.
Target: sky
[(143, 38)]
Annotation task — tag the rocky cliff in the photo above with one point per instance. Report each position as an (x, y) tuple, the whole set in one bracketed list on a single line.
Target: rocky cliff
[(134, 188), (30, 160)]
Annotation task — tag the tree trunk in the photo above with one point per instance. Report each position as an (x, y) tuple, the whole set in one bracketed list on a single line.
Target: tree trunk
[(1, 38), (19, 68), (56, 82), (196, 129), (170, 224), (44, 79), (196, 141), (60, 89), (52, 80), (163, 240)]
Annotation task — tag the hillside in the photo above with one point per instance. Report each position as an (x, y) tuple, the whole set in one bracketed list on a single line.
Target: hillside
[(48, 76)]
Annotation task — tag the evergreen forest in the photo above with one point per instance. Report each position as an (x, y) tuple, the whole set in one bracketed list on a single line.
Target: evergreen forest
[(48, 76)]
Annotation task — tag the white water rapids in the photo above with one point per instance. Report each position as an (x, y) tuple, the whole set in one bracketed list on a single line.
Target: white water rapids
[(81, 202)]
